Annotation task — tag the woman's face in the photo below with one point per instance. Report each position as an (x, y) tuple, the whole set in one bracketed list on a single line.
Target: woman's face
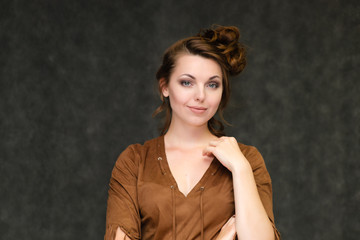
[(194, 90)]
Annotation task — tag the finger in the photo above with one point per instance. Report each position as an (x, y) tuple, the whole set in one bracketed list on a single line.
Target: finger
[(228, 139), (231, 220), (208, 151), (214, 143), (208, 154), (229, 230)]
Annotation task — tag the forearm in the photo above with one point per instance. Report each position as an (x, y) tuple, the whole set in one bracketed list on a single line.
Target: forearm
[(252, 222), (120, 235)]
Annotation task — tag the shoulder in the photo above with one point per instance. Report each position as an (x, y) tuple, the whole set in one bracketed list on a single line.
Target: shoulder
[(136, 152), (250, 152), (256, 160)]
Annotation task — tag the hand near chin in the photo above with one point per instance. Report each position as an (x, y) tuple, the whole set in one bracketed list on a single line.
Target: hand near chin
[(227, 151), (228, 231)]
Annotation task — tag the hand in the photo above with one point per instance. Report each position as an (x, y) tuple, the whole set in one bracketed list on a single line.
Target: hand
[(228, 231), (227, 151)]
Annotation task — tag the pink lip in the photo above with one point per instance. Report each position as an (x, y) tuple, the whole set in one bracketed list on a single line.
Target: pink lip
[(196, 109)]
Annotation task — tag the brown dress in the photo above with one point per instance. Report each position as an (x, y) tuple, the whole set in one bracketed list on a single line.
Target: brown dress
[(144, 200)]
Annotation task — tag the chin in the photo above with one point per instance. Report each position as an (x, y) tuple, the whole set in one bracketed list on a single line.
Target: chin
[(199, 123)]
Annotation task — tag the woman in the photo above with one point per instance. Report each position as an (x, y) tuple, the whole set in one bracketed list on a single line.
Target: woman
[(193, 182)]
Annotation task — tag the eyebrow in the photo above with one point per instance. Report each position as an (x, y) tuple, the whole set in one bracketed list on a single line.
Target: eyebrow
[(192, 77), (188, 75), (213, 77)]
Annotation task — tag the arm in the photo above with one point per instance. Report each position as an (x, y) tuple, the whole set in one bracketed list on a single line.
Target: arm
[(228, 231), (122, 215), (120, 235), (252, 221)]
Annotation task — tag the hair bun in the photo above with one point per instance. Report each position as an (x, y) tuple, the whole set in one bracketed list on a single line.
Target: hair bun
[(226, 40)]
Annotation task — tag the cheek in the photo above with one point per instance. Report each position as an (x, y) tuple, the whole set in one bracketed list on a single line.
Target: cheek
[(179, 95), (215, 101), (176, 99)]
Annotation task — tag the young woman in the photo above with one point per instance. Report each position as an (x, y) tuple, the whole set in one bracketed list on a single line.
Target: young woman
[(193, 182)]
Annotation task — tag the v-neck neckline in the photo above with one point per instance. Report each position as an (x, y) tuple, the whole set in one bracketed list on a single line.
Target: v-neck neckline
[(214, 165)]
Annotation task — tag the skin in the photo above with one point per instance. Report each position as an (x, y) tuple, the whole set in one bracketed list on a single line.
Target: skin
[(252, 221), (194, 90)]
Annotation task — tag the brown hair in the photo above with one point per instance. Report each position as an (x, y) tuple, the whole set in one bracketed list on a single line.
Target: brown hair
[(219, 43)]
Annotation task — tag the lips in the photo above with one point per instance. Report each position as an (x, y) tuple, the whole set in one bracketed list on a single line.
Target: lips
[(197, 109)]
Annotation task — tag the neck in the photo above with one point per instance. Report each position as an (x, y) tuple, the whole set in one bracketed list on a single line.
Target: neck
[(189, 136)]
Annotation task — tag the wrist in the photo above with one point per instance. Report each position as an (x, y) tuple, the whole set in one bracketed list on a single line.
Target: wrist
[(242, 168)]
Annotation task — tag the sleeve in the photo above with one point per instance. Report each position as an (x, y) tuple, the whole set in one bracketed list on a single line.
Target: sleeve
[(263, 184), (122, 205)]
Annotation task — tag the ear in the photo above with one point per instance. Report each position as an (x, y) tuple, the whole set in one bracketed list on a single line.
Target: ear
[(163, 87)]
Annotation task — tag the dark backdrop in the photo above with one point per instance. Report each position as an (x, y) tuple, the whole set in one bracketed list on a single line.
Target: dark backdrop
[(77, 87)]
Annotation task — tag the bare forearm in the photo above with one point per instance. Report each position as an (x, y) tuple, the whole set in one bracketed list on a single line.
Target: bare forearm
[(252, 222), (120, 235)]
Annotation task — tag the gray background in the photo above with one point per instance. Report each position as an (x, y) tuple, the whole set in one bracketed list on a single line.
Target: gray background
[(77, 87)]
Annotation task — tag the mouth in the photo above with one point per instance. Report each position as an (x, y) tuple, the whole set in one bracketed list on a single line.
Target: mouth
[(196, 109)]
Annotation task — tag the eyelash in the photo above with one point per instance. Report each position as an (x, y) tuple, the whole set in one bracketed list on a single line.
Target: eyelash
[(186, 83), (213, 85)]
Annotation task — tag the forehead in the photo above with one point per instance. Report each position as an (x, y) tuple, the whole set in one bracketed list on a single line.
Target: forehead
[(196, 65)]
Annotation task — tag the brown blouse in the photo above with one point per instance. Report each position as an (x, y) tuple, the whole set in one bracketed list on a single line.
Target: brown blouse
[(144, 200)]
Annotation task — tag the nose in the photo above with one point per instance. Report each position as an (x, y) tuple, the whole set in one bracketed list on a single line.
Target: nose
[(200, 94)]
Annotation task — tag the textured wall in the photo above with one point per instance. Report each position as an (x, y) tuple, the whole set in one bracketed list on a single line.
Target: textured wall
[(77, 86)]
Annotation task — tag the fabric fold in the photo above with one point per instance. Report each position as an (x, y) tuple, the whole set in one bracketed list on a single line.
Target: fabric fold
[(202, 212), (173, 212), (111, 229)]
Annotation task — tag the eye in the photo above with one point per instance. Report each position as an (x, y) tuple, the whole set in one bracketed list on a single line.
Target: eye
[(185, 83), (213, 85)]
